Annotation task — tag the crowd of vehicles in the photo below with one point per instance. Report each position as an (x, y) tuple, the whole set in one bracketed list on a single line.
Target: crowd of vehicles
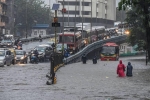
[(73, 38)]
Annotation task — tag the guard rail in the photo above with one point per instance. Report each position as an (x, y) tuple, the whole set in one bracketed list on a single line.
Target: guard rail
[(95, 45)]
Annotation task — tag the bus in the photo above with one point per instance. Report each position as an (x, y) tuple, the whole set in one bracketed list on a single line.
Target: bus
[(109, 52), (72, 39)]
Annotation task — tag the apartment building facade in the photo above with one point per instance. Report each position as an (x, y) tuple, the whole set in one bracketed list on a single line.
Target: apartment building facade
[(6, 16), (3, 16), (99, 12)]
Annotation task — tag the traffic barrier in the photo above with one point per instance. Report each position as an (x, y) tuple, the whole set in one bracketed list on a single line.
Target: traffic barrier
[(56, 63), (77, 57)]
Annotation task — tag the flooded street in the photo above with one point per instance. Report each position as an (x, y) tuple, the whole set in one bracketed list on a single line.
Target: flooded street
[(75, 82)]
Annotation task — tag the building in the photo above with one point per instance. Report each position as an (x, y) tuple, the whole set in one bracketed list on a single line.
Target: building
[(40, 29), (6, 16), (97, 12), (3, 17)]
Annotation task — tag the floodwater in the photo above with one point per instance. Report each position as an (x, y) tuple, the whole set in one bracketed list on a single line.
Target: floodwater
[(76, 81)]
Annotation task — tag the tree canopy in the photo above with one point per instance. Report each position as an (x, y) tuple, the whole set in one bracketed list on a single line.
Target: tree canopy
[(139, 16), (30, 12)]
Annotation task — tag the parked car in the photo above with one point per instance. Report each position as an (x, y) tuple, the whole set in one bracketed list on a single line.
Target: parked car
[(6, 43), (5, 57), (21, 56)]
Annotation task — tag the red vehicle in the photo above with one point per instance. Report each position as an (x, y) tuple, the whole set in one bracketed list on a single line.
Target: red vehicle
[(73, 40), (109, 51)]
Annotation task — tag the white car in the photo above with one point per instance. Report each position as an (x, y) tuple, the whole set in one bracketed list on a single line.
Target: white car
[(59, 47), (5, 57)]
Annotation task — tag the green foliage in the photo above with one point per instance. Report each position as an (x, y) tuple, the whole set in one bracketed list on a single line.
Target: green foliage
[(31, 12), (137, 17)]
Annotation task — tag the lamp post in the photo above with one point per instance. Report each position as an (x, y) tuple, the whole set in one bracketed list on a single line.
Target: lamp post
[(91, 22), (82, 17), (96, 11), (105, 13), (50, 15), (63, 11), (75, 26), (26, 20)]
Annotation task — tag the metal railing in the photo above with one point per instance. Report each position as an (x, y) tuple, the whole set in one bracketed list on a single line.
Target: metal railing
[(95, 45)]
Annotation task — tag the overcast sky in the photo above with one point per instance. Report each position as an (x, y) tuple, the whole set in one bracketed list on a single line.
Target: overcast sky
[(117, 3), (51, 2)]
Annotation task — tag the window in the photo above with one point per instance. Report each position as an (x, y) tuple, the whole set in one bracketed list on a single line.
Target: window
[(73, 12), (35, 32), (41, 32), (85, 4), (86, 12)]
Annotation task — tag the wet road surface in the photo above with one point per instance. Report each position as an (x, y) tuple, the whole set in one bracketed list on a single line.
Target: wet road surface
[(76, 82)]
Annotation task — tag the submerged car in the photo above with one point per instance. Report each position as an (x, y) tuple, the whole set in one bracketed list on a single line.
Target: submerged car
[(21, 56), (44, 51), (6, 43), (5, 57), (59, 47)]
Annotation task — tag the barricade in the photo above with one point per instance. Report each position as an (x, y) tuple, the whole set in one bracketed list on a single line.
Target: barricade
[(56, 63)]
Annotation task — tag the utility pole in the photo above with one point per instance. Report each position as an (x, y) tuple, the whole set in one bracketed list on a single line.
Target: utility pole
[(96, 12), (50, 16), (68, 13), (82, 17), (91, 22), (26, 20), (63, 11), (74, 26), (106, 13)]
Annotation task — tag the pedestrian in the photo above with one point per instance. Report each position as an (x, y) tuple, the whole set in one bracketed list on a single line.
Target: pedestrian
[(121, 69), (19, 45), (129, 70), (84, 59)]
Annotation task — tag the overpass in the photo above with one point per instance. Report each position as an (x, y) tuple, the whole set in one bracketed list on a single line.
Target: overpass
[(93, 49)]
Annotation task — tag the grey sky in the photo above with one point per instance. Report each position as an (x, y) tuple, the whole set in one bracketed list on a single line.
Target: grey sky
[(117, 3), (51, 2)]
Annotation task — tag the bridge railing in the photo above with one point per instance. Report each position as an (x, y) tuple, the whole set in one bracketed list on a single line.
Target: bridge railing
[(95, 45)]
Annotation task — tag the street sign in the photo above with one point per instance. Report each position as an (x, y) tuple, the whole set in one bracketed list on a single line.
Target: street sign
[(55, 24), (55, 6)]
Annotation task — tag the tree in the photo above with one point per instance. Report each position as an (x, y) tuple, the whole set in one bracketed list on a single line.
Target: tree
[(31, 12), (142, 10), (137, 34)]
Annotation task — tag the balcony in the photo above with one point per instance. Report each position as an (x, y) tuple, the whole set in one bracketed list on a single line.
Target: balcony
[(2, 24)]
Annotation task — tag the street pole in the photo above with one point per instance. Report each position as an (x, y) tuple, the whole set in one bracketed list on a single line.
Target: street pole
[(75, 25), (96, 13), (63, 30), (82, 17), (91, 22), (50, 15), (26, 19), (105, 13), (55, 31), (68, 13)]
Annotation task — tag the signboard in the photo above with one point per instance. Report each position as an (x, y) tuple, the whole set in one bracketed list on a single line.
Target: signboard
[(55, 24)]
